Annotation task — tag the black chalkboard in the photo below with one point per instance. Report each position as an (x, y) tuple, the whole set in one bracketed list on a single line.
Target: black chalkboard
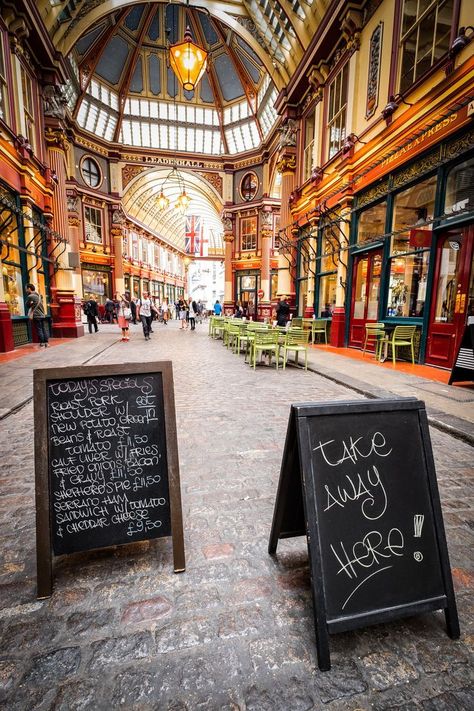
[(106, 460), (358, 478), (463, 369)]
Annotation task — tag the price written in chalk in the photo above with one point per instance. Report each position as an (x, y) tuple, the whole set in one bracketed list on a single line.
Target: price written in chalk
[(108, 463)]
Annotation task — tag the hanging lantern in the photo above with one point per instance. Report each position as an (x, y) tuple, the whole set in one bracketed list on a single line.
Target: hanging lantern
[(162, 201), (188, 61), (182, 203)]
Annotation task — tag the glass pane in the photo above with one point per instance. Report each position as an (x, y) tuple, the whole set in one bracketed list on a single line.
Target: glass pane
[(447, 283), (372, 223), (407, 289), (13, 290), (413, 208), (409, 15), (425, 45), (374, 288), (360, 288), (327, 295), (408, 61), (460, 188)]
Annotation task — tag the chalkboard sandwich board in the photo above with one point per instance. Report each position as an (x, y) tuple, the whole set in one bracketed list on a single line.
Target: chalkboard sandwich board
[(106, 461), (358, 478)]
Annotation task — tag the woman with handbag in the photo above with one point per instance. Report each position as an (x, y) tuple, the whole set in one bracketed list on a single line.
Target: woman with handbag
[(124, 315)]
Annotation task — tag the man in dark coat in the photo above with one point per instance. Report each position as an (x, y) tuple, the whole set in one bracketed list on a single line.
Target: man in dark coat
[(92, 312), (283, 312)]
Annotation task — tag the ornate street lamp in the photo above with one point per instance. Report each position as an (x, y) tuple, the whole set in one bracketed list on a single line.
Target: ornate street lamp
[(188, 61)]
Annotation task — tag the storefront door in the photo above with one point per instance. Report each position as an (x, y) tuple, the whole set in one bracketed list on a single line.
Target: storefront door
[(452, 296), (365, 294)]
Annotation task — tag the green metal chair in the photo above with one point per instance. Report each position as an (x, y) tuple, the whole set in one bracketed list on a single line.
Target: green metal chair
[(319, 326), (296, 340), (216, 326), (264, 341), (402, 336), (374, 335), (296, 322), (232, 333)]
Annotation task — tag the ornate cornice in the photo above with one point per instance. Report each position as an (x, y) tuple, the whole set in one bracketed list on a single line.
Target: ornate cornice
[(129, 172), (286, 164), (56, 138)]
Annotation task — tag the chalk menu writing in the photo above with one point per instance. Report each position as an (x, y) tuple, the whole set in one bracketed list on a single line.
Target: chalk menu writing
[(107, 461), (377, 533)]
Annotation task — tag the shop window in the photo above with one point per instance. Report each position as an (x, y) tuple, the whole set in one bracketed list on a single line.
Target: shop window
[(248, 233), (412, 217), (93, 224), (460, 189), (90, 172), (327, 295), (371, 225), (447, 282), (337, 111), (407, 286), (95, 285), (308, 146), (425, 33), (13, 289), (144, 251), (3, 84), (28, 107)]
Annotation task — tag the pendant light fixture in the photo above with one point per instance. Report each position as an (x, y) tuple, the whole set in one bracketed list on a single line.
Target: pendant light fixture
[(188, 61)]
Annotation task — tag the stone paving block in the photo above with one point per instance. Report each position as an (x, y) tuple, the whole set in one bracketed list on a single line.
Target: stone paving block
[(386, 669), (48, 669), (120, 650), (290, 693), (343, 680)]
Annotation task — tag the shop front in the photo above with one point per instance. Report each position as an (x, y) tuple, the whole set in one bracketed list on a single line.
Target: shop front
[(97, 282), (411, 252), (23, 259), (246, 292)]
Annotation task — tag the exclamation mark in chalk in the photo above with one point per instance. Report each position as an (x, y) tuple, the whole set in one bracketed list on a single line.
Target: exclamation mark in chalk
[(418, 520)]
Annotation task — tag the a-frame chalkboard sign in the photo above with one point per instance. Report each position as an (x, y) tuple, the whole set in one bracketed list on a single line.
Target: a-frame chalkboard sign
[(106, 461), (358, 479), (463, 369)]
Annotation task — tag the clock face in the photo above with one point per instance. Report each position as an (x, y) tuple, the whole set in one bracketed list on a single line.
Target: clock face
[(249, 186)]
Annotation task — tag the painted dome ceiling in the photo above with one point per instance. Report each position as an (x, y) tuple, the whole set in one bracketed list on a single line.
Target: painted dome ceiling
[(125, 91)]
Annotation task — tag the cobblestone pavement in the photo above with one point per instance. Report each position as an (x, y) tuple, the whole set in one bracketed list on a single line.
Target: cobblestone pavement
[(235, 631)]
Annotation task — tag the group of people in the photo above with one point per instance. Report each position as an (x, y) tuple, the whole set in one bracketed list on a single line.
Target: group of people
[(188, 313)]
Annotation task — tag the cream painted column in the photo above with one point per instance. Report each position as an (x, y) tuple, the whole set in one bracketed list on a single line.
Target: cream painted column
[(65, 304), (313, 264), (339, 312), (287, 167), (228, 287)]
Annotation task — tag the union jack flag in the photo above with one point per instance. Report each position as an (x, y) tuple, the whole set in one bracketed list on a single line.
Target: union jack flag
[(193, 236)]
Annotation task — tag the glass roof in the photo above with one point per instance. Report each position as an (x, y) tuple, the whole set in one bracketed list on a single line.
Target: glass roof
[(124, 91)]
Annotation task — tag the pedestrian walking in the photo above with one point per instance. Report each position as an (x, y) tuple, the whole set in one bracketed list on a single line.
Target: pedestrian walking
[(217, 308), (124, 315), (145, 309), (133, 309), (109, 310), (34, 304), (283, 312), (192, 311), (91, 310), (182, 315), (165, 312)]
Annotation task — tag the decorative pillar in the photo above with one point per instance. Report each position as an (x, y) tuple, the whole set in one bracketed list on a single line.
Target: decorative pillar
[(338, 325), (313, 266), (116, 232), (287, 167), (264, 301), (65, 305), (74, 224), (228, 286)]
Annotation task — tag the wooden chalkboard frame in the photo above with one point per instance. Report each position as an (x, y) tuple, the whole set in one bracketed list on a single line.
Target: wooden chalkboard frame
[(297, 484), (41, 377)]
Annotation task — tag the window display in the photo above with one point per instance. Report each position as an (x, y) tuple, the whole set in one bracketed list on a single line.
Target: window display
[(407, 287), (13, 289)]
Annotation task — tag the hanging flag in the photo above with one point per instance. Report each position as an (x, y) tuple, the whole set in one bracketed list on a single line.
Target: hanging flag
[(192, 239)]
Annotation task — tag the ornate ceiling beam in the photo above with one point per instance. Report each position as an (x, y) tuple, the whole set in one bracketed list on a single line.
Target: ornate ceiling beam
[(91, 59), (130, 66)]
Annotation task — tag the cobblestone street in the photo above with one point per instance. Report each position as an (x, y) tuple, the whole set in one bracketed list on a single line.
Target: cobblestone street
[(235, 632)]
